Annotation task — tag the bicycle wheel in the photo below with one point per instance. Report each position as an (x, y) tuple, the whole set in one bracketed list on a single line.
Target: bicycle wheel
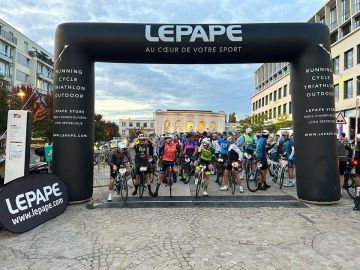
[(198, 186), (187, 173), (282, 176), (170, 179), (251, 180), (350, 186), (272, 170), (220, 175), (232, 183), (133, 176), (124, 190), (142, 184)]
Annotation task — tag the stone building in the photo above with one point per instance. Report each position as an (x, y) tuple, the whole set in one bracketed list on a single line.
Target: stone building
[(188, 120)]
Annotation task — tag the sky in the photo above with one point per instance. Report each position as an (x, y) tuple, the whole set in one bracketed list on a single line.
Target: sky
[(137, 90)]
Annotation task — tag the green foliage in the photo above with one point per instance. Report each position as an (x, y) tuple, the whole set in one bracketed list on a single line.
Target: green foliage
[(232, 117), (105, 130), (259, 122), (4, 105)]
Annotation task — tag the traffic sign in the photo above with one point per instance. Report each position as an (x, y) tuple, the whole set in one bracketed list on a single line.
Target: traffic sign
[(340, 119)]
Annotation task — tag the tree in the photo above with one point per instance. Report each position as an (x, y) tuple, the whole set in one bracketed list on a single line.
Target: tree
[(105, 130), (99, 131), (259, 122), (4, 104), (232, 117), (42, 120)]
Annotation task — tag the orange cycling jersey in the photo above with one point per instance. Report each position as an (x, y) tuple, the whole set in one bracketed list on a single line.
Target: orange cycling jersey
[(169, 152)]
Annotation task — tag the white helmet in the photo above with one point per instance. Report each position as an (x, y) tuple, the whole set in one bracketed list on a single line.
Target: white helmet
[(265, 132), (169, 135), (205, 141), (121, 145), (285, 133), (248, 130), (142, 136)]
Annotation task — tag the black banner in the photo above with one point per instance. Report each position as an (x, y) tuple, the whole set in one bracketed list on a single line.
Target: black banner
[(301, 44), (29, 201)]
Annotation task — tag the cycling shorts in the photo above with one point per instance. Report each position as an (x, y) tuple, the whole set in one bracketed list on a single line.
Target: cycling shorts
[(264, 164), (166, 164)]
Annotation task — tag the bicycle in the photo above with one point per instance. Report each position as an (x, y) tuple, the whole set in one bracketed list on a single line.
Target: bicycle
[(232, 179), (200, 180), (252, 174), (152, 162), (187, 169), (280, 169), (350, 178), (120, 184)]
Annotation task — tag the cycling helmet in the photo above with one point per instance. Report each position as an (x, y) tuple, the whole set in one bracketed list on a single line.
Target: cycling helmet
[(121, 146), (265, 132), (205, 141), (248, 131), (285, 133), (169, 135)]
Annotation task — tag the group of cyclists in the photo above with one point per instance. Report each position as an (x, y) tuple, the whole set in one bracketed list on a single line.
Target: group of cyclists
[(167, 152)]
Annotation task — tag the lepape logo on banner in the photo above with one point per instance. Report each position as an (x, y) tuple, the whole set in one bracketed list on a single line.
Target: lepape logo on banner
[(32, 200), (177, 33)]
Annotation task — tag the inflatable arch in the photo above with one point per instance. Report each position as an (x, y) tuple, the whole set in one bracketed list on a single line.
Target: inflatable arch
[(306, 46)]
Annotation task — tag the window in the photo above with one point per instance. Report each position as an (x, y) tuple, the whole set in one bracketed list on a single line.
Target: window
[(5, 49), (284, 108), (262, 102), (348, 90), (322, 19), (333, 20), (275, 95), (21, 76), (336, 90), (4, 69), (145, 125), (357, 5), (266, 115), (123, 131), (131, 124), (348, 59), (345, 10), (290, 108), (137, 124), (279, 110), (279, 92), (270, 113), (23, 60), (334, 37), (274, 113), (123, 124), (358, 54), (271, 94), (346, 29), (358, 85), (151, 125), (26, 46), (253, 106), (357, 22), (266, 100), (335, 65), (285, 90)]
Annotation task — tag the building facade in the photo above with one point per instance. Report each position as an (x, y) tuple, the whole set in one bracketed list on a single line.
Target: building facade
[(188, 120), (126, 126), (272, 80), (22, 61)]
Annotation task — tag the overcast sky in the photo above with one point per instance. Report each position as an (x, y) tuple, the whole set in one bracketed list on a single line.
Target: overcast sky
[(137, 90)]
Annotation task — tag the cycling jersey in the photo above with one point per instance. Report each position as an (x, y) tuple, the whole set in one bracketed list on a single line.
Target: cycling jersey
[(116, 158), (216, 146), (286, 146), (189, 147), (261, 148), (224, 144), (141, 152), (205, 154), (249, 142), (234, 153), (168, 151), (240, 142)]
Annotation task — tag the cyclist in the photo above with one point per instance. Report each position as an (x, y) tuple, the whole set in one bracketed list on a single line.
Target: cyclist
[(234, 155), (118, 156), (205, 155), (141, 146), (189, 146), (286, 148), (249, 147), (261, 150), (168, 156)]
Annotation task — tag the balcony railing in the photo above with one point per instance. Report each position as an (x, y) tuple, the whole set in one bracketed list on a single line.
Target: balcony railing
[(8, 36)]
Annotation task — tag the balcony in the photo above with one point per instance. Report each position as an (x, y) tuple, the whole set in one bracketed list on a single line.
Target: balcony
[(44, 77), (6, 77), (41, 56), (7, 36)]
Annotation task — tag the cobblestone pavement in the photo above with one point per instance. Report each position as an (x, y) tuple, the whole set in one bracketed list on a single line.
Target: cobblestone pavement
[(317, 237)]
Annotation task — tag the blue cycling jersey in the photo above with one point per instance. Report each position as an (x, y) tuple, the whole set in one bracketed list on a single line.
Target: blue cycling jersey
[(240, 142), (260, 148), (287, 147), (224, 144)]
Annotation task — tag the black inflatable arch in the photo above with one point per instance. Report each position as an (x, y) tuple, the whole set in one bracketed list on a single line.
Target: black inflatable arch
[(304, 45)]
